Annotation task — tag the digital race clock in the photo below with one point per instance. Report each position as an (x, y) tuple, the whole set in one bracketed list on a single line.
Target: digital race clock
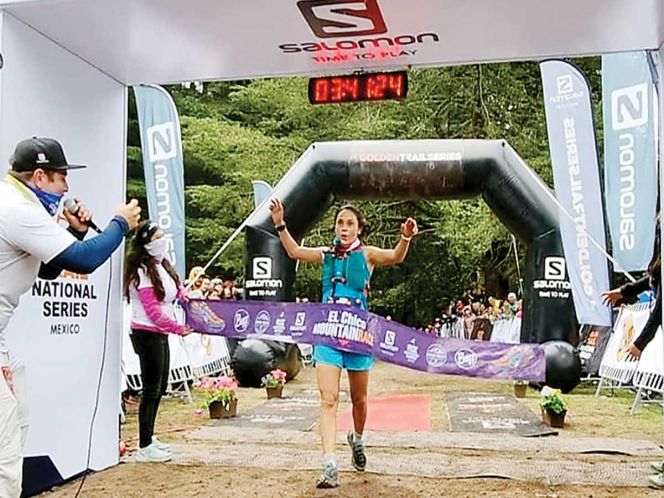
[(358, 87)]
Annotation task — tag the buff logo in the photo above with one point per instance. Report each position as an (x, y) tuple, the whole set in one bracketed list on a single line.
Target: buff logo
[(344, 325), (241, 320), (465, 358)]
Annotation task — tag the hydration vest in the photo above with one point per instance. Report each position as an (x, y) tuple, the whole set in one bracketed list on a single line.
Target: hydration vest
[(346, 277)]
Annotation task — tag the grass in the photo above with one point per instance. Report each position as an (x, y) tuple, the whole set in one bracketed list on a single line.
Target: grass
[(608, 415)]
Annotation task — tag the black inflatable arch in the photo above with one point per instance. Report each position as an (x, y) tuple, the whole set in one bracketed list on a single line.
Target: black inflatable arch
[(421, 169)]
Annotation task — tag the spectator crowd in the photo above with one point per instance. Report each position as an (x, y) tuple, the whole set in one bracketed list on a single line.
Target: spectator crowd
[(207, 287), (475, 307), (474, 310)]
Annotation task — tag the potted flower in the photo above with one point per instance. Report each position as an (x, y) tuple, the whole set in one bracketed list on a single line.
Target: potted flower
[(520, 387), (274, 383), (554, 407), (220, 395)]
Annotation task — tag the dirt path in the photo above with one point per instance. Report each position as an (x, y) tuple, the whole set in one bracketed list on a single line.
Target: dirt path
[(214, 461)]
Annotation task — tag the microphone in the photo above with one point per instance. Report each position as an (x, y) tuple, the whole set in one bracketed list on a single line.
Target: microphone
[(72, 206)]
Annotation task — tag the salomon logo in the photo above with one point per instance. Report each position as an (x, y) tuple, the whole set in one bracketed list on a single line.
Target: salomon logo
[(629, 107), (334, 18), (564, 84), (262, 267), (162, 143), (554, 268)]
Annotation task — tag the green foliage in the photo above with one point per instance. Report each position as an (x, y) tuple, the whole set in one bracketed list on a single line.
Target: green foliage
[(236, 132), (552, 400)]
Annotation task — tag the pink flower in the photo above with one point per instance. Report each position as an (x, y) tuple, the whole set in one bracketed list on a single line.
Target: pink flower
[(280, 375), (225, 382), (217, 389), (216, 383)]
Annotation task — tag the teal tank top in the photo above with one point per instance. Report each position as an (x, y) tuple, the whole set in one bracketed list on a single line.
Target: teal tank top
[(346, 278)]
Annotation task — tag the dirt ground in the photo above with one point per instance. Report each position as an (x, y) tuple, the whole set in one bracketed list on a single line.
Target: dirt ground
[(603, 417)]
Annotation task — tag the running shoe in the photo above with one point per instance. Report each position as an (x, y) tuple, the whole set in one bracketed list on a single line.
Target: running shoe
[(657, 481), (152, 454), (359, 458), (161, 445), (329, 478)]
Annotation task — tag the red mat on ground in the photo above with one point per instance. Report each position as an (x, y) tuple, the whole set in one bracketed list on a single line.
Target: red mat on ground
[(403, 413)]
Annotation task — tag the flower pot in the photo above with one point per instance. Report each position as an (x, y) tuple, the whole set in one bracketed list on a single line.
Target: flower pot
[(520, 390), (274, 392), (554, 419), (221, 410)]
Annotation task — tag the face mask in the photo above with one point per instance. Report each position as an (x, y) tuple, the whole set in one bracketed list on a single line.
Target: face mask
[(49, 200), (157, 248)]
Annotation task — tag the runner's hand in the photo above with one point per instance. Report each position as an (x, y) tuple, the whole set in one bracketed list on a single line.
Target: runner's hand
[(409, 228), (277, 210)]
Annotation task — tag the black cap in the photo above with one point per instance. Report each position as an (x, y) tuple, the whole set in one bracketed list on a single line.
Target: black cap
[(40, 152), (145, 231)]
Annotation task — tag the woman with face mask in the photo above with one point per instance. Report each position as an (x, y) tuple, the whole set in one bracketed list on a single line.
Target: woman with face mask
[(347, 268), (152, 286)]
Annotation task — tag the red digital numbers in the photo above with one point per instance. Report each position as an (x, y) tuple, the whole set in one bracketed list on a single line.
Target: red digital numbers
[(321, 90), (355, 88)]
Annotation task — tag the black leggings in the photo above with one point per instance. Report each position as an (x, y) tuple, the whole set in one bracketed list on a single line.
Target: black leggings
[(154, 354)]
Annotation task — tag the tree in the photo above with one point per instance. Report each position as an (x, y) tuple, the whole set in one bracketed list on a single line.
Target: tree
[(237, 132)]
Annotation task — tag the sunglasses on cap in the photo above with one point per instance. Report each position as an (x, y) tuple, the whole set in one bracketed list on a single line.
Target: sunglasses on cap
[(144, 234)]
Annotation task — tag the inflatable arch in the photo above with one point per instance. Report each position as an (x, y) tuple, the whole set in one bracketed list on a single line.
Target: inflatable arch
[(421, 169)]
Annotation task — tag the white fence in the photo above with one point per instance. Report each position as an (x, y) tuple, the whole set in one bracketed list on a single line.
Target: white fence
[(193, 356), (507, 331), (504, 331)]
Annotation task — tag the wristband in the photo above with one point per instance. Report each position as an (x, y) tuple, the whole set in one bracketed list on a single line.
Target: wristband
[(280, 228)]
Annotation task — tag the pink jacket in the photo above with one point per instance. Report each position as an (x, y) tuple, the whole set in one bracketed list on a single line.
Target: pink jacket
[(163, 324)]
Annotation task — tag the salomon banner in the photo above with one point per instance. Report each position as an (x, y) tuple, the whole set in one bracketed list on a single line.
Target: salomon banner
[(358, 331), (630, 158), (573, 150), (163, 166)]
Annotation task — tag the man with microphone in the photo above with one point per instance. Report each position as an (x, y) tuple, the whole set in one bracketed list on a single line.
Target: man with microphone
[(33, 244)]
